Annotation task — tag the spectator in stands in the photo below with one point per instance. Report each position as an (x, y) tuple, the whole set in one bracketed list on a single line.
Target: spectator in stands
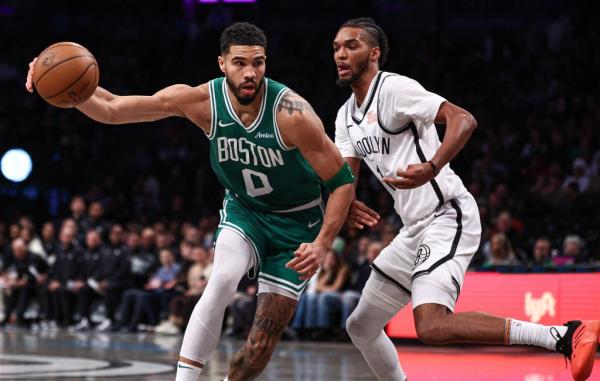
[(144, 305), (14, 231), (572, 252), (181, 307), (49, 239), (512, 228), (95, 220), (542, 256), (143, 262), (331, 279), (23, 273), (77, 208), (34, 244), (501, 252), (91, 260), (580, 175), (111, 277), (64, 272)]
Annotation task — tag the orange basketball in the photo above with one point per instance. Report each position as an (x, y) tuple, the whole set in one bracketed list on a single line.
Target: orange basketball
[(65, 74)]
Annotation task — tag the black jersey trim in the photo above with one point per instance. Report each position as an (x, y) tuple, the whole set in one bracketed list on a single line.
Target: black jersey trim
[(457, 285), (450, 255), (434, 184), (371, 96), (402, 129), (394, 281)]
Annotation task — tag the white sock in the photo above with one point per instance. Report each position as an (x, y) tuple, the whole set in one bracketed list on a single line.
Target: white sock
[(187, 372), (522, 332)]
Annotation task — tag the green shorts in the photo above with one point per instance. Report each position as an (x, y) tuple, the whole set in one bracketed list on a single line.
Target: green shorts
[(274, 237)]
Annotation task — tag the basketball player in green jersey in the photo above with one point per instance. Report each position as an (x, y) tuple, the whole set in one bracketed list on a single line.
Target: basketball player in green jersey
[(269, 150)]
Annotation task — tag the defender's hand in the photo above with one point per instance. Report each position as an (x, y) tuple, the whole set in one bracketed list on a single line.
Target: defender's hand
[(309, 257), (361, 215), (29, 82), (414, 176)]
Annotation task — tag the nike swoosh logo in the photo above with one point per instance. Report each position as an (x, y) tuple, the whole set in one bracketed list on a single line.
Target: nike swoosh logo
[(312, 224), (441, 214), (221, 124), (184, 367)]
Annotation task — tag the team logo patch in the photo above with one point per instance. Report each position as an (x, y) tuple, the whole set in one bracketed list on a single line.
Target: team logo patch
[(422, 254), (371, 117), (27, 367)]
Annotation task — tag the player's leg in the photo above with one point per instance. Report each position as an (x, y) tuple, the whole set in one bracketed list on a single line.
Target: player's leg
[(234, 256), (273, 313), (381, 300), (436, 282), (385, 293)]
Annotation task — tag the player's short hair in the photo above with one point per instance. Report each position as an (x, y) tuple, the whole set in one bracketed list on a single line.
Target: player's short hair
[(242, 33), (375, 35)]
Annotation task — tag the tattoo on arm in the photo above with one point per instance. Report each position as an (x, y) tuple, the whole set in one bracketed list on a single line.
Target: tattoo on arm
[(270, 327), (293, 103)]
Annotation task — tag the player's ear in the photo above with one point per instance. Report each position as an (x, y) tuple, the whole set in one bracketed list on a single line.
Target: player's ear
[(221, 61), (375, 54)]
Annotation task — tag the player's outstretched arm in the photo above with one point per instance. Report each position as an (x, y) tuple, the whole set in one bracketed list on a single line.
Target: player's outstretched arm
[(105, 107), (301, 127)]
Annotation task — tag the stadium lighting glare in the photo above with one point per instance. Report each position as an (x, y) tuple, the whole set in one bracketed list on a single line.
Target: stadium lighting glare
[(16, 165)]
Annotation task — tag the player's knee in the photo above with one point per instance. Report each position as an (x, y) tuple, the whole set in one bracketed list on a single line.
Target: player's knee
[(430, 332), (225, 284), (358, 330)]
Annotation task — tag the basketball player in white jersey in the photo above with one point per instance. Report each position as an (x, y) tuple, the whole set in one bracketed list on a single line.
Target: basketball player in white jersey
[(388, 122)]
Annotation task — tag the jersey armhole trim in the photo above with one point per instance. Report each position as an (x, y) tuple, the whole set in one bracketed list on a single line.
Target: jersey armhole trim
[(275, 125), (213, 111), (402, 129)]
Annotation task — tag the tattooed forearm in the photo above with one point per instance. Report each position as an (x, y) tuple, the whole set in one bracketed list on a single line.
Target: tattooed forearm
[(293, 103), (270, 327)]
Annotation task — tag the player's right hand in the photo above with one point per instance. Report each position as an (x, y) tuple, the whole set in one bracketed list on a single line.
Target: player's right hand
[(29, 82), (361, 215)]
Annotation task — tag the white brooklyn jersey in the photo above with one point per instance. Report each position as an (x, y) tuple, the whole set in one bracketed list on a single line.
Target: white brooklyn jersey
[(394, 127)]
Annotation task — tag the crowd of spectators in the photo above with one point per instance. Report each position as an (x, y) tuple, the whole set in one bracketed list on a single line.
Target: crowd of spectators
[(89, 273), (137, 245)]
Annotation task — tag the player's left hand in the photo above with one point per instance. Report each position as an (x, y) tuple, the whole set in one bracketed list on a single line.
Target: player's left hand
[(309, 257), (414, 176)]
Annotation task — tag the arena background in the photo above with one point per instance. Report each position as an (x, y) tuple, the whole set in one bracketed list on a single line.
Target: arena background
[(529, 71)]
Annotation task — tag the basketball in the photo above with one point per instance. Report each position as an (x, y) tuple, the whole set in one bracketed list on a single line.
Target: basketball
[(65, 74)]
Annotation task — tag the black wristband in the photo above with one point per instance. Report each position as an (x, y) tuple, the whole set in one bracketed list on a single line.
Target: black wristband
[(435, 171)]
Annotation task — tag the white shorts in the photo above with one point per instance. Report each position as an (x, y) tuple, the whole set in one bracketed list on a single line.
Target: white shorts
[(428, 258)]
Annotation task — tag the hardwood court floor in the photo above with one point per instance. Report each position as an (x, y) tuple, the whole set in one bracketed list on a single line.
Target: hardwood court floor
[(93, 356)]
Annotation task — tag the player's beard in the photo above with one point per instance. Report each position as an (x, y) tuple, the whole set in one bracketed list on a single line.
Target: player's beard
[(244, 100), (361, 67)]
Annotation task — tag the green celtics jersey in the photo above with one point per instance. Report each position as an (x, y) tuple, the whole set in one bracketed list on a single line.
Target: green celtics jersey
[(253, 163)]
